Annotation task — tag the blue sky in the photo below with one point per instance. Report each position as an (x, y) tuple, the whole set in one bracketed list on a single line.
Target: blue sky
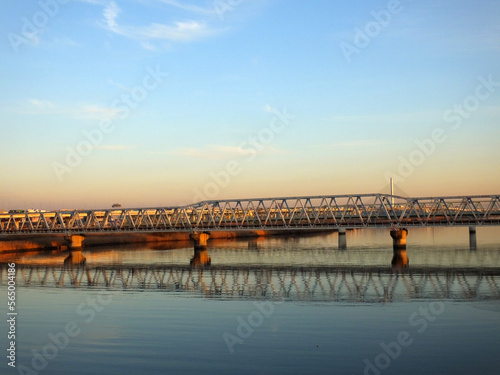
[(191, 93)]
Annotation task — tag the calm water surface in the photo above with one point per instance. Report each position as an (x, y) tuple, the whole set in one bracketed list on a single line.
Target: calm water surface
[(269, 306)]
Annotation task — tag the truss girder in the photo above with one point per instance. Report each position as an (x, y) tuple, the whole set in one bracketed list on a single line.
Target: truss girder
[(318, 212)]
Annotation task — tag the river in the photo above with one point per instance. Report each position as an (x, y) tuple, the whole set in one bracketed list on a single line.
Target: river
[(273, 305)]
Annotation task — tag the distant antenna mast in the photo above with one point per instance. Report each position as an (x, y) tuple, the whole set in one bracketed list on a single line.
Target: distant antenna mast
[(392, 191)]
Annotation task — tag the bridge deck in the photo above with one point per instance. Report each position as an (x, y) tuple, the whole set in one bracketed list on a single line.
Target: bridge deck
[(295, 213)]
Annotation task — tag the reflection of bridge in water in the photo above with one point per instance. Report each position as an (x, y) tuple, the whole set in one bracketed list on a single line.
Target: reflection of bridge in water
[(315, 283)]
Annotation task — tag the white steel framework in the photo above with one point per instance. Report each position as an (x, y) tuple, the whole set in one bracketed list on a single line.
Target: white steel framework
[(292, 213)]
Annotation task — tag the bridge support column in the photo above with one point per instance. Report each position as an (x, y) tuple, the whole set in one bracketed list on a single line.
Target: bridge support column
[(200, 239), (75, 240), (399, 238), (201, 257), (342, 239), (472, 238)]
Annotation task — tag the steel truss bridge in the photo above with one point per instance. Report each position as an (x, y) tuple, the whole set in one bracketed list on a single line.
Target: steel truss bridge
[(356, 284), (294, 213)]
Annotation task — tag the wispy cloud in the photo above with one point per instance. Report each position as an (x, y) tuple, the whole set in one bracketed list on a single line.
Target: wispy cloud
[(79, 112), (214, 152), (386, 118), (94, 112), (179, 31), (96, 2), (110, 14), (357, 143), (41, 104), (115, 147), (189, 7), (119, 85), (268, 109), (60, 42), (222, 152)]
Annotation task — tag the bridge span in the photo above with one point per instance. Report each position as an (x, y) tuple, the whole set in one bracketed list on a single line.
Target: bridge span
[(331, 212)]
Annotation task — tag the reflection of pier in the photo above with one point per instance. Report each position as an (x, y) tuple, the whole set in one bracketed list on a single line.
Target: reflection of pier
[(74, 257), (346, 283)]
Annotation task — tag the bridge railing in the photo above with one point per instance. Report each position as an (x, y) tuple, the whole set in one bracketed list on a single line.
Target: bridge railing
[(295, 213)]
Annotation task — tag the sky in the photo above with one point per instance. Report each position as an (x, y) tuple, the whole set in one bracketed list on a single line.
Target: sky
[(170, 102)]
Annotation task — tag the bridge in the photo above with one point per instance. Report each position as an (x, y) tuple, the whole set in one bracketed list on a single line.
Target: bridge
[(332, 212), (354, 284)]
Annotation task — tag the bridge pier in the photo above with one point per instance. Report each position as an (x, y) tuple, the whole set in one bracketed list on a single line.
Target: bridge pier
[(342, 239), (472, 238), (75, 240), (399, 238), (200, 239), (201, 257)]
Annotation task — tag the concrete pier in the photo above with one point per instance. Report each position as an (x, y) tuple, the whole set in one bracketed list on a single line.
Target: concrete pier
[(472, 238), (399, 238), (342, 239), (75, 240), (201, 257), (200, 239)]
